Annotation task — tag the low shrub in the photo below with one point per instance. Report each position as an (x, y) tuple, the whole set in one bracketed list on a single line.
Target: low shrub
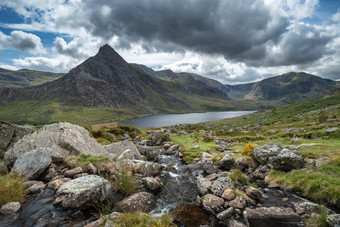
[(11, 189), (249, 151)]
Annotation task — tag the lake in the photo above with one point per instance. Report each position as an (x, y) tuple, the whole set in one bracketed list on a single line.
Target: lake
[(161, 120)]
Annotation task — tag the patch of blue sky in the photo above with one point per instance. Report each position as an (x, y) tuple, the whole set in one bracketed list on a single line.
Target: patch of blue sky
[(324, 11)]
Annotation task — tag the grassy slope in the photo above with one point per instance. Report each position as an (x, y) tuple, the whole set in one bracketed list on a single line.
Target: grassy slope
[(319, 184), (26, 77)]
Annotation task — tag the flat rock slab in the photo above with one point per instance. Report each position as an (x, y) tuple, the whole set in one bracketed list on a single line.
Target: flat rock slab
[(141, 201), (82, 191), (33, 163), (272, 216)]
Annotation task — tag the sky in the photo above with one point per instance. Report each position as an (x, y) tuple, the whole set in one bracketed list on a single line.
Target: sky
[(232, 41)]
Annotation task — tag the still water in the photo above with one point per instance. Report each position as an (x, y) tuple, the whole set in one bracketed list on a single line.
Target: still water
[(161, 120)]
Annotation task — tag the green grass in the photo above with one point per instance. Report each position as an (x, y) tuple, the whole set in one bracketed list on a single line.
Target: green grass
[(83, 160), (124, 181), (138, 219), (189, 141), (12, 189), (320, 185), (238, 177), (318, 221)]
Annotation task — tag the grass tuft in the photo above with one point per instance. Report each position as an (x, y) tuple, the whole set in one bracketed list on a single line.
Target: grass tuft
[(138, 219), (238, 177), (12, 189)]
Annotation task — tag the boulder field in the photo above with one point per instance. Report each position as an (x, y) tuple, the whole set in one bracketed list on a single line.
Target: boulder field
[(44, 160)]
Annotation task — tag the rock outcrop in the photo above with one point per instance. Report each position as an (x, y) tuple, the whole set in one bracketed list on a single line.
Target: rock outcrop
[(10, 134), (33, 163), (63, 138), (82, 191), (120, 151), (276, 157)]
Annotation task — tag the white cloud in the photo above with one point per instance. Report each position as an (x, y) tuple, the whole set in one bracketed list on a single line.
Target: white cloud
[(9, 67), (22, 41)]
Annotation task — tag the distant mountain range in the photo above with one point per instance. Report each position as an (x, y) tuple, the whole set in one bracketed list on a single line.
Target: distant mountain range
[(106, 87)]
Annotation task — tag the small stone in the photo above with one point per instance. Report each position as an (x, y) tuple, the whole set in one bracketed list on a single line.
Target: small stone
[(152, 183), (285, 199), (239, 202), (235, 223), (228, 194), (221, 184), (10, 208), (203, 185), (213, 203), (36, 188), (196, 146), (91, 169), (56, 182), (72, 172), (225, 214)]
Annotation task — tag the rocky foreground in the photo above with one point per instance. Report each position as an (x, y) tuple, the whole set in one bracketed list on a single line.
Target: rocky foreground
[(45, 161)]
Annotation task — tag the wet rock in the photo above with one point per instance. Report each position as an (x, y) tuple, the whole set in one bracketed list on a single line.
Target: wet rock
[(10, 134), (56, 182), (72, 172), (225, 214), (150, 152), (63, 138), (150, 168), (141, 201), (213, 203), (118, 150), (91, 169), (239, 202), (36, 188), (228, 194), (33, 163), (152, 183), (254, 193), (273, 155), (10, 208), (333, 220), (227, 162), (221, 184), (82, 191), (235, 223), (203, 185), (272, 216)]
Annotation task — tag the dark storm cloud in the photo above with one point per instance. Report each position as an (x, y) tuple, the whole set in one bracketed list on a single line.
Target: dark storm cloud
[(239, 30)]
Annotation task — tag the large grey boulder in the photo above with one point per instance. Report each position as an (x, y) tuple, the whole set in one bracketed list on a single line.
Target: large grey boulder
[(272, 216), (82, 191), (10, 134), (227, 162), (333, 220), (33, 163), (116, 150), (276, 157), (141, 201), (221, 184), (63, 138)]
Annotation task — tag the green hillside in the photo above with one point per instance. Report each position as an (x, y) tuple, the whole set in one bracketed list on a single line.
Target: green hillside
[(26, 77)]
